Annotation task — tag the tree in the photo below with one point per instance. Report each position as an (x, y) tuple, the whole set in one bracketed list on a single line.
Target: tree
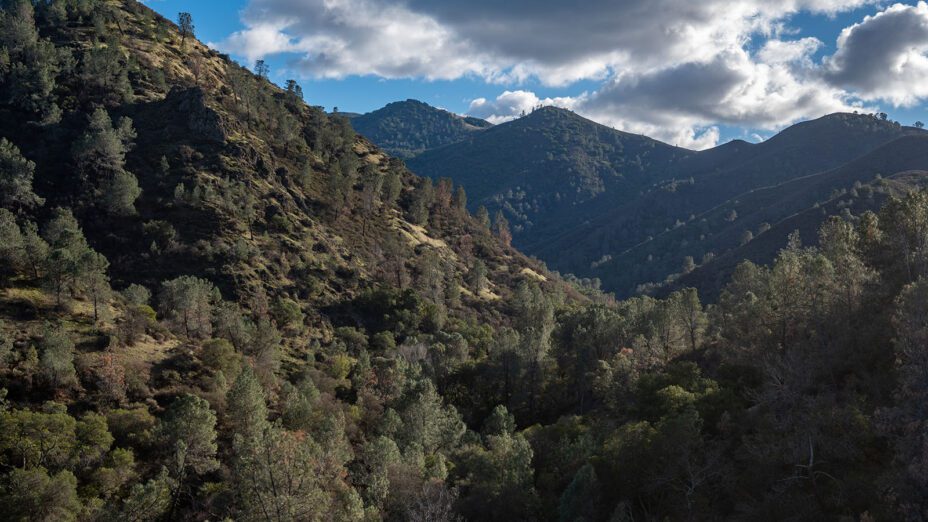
[(188, 430), (422, 199), (35, 249), (581, 498), (919, 125), (29, 64), (460, 199), (101, 156), (288, 476), (478, 276), (12, 251), (148, 502), (483, 216), (58, 357), (67, 246), (187, 303), (688, 264), (294, 91), (501, 228), (246, 410), (500, 422), (16, 174), (689, 311), (121, 192), (908, 420), (185, 24), (95, 282), (391, 188), (262, 69), (34, 494)]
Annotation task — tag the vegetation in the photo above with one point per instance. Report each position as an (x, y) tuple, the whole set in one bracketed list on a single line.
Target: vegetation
[(626, 210), (405, 129), (295, 327)]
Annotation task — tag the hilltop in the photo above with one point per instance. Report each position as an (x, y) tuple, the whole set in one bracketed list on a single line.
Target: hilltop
[(550, 170), (407, 128)]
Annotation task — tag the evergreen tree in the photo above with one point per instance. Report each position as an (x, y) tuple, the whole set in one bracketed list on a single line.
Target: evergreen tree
[(101, 155), (16, 173), (501, 228), (262, 69), (187, 303), (460, 200), (95, 281), (188, 430), (483, 216), (58, 357), (185, 25)]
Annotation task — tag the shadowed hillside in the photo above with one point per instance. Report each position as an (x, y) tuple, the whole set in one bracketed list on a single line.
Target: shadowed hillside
[(407, 128)]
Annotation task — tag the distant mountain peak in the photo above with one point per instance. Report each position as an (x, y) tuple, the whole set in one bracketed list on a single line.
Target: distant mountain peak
[(406, 128)]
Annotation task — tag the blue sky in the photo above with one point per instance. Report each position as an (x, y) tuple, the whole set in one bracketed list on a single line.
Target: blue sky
[(689, 75)]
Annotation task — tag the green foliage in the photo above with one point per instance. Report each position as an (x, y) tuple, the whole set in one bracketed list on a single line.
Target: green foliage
[(16, 174), (407, 128), (187, 304), (57, 357), (29, 65), (188, 430), (101, 156), (34, 494)]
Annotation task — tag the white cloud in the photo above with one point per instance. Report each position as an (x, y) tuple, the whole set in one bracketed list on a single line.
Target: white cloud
[(510, 104), (884, 57), (674, 69), (779, 51)]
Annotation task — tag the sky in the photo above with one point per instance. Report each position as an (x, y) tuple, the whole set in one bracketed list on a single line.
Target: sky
[(692, 74)]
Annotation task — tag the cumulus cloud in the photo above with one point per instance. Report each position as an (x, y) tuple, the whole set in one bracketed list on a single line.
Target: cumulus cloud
[(674, 69), (884, 57), (555, 41), (511, 104)]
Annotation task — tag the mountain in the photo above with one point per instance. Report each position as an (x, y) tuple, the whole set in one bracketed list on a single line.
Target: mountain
[(220, 303), (628, 210), (410, 127), (551, 170)]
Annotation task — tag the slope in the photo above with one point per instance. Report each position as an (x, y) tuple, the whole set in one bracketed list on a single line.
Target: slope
[(410, 127), (702, 183), (550, 170)]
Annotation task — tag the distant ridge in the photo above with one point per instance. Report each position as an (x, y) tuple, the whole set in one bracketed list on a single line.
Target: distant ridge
[(407, 128)]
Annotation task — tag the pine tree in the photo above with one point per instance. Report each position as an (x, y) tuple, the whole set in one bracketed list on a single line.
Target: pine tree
[(101, 155), (483, 216), (57, 360), (16, 174), (501, 228), (187, 303), (95, 281), (185, 24), (460, 200)]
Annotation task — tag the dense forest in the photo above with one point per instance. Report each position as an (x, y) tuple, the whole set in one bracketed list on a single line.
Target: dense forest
[(218, 302)]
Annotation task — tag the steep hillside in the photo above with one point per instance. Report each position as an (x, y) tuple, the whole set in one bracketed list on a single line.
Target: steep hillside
[(550, 171), (763, 246), (410, 127), (173, 226), (739, 220)]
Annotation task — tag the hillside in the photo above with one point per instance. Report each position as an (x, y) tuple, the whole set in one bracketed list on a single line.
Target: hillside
[(728, 226), (410, 127), (628, 210), (550, 171), (218, 302), (169, 218)]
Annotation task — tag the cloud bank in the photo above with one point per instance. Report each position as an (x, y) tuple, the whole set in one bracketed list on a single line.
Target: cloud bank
[(676, 69)]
